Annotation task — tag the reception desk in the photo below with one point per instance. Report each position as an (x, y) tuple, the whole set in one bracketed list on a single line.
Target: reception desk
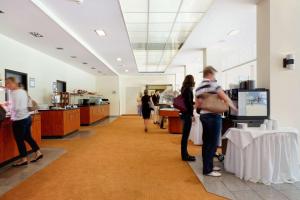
[(91, 114), (174, 121), (58, 123), (8, 147)]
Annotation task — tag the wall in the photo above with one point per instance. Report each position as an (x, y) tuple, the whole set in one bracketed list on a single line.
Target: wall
[(108, 86), (283, 34), (45, 70), (140, 81)]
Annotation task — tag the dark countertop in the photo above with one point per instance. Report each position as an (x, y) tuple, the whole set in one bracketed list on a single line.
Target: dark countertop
[(93, 105)]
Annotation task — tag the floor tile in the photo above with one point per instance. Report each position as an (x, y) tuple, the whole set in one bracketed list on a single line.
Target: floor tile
[(271, 194), (246, 195), (284, 186), (291, 194), (235, 184), (219, 189)]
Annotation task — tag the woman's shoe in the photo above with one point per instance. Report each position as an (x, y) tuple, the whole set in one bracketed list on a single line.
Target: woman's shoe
[(37, 158), (189, 158), (20, 164)]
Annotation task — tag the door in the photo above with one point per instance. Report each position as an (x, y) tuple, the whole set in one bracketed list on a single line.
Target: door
[(130, 101)]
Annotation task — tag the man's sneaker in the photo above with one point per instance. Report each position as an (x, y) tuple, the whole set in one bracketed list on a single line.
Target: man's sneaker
[(214, 174), (217, 168)]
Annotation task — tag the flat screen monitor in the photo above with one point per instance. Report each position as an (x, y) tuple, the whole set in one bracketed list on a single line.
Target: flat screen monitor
[(253, 104)]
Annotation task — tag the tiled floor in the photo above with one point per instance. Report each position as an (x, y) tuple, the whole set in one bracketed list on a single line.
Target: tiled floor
[(11, 176), (231, 187)]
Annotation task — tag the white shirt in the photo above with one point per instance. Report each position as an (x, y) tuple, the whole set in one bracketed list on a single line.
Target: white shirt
[(18, 104)]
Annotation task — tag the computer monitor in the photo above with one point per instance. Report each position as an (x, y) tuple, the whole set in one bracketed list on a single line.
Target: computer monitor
[(253, 104)]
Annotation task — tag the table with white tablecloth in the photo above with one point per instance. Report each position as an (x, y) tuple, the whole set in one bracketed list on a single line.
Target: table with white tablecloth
[(262, 155)]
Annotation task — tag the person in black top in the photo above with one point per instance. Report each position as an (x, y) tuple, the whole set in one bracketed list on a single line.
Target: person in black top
[(155, 100), (146, 109), (187, 94)]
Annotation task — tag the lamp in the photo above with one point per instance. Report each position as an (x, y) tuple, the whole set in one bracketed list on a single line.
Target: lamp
[(289, 62)]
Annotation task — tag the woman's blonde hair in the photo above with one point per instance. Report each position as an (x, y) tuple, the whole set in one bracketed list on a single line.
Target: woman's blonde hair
[(12, 79)]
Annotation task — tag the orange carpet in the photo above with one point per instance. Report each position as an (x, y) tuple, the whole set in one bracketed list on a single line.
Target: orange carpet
[(118, 162)]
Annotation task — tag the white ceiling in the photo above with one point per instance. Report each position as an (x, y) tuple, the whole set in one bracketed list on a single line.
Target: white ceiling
[(67, 24), (212, 33)]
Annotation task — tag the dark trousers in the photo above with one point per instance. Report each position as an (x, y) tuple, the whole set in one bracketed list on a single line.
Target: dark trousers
[(187, 124), (22, 133), (212, 124)]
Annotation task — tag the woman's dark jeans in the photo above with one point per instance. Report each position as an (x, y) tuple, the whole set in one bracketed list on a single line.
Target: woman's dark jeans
[(212, 124), (187, 125), (22, 133)]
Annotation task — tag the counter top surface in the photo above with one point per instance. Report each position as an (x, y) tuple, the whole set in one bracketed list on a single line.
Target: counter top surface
[(58, 109)]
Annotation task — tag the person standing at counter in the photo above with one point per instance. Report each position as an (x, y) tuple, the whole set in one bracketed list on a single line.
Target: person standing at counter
[(155, 100), (187, 94), (211, 122), (18, 106), (146, 109)]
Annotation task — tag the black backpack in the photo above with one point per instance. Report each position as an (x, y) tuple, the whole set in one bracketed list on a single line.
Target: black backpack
[(2, 113)]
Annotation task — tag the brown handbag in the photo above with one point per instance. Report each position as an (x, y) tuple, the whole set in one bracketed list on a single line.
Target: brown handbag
[(213, 103)]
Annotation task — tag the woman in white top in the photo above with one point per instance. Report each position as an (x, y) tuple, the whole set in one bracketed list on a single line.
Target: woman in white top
[(18, 105)]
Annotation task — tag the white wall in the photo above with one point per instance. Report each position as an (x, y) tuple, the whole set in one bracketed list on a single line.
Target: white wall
[(140, 81), (45, 70), (108, 86), (282, 32)]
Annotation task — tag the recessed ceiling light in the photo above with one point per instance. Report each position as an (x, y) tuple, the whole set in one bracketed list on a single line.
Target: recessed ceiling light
[(93, 67), (233, 32), (85, 63), (126, 70), (73, 56), (119, 59), (100, 32), (36, 34), (59, 48), (99, 72), (1, 12)]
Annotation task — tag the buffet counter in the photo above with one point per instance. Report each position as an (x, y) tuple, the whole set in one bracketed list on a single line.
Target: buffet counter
[(174, 121), (60, 122), (8, 147), (93, 113)]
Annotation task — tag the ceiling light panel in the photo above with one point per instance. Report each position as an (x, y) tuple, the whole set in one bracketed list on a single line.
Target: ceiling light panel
[(134, 5), (141, 18), (189, 17), (162, 17), (160, 27), (164, 6), (195, 5), (156, 32)]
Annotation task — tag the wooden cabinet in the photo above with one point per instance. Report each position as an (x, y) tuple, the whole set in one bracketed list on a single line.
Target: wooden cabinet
[(8, 147), (58, 123), (91, 114)]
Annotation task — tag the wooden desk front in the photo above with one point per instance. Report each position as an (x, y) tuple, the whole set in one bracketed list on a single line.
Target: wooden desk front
[(174, 121), (8, 147)]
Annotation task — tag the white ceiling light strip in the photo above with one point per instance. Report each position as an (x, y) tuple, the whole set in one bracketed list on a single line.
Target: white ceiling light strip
[(159, 27), (57, 20)]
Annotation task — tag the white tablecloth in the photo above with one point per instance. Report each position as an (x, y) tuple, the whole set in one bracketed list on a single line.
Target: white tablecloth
[(263, 156)]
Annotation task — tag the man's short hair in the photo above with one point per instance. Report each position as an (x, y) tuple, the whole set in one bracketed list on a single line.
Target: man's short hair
[(12, 79), (209, 70)]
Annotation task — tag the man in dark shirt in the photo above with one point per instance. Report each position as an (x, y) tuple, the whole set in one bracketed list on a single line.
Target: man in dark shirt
[(155, 100)]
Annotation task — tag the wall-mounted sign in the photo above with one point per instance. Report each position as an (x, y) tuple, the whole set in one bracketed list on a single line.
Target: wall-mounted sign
[(32, 82)]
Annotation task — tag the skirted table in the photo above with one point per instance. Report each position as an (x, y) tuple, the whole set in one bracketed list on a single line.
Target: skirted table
[(263, 156)]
